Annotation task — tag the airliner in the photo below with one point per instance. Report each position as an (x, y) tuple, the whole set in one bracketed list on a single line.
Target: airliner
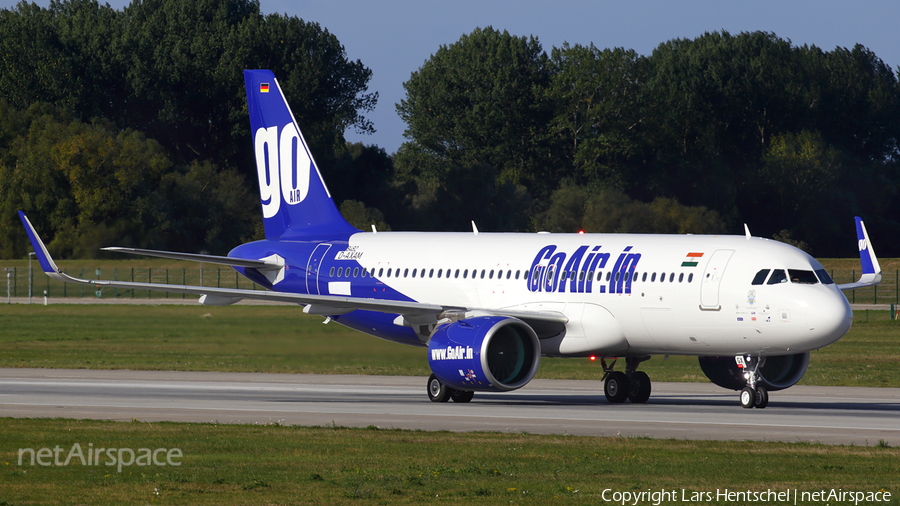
[(489, 306)]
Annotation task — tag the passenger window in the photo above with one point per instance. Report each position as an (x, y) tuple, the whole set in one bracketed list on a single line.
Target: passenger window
[(644, 277), (456, 274), (517, 274), (380, 272), (662, 278), (671, 277), (802, 277), (653, 277), (824, 277), (414, 272), (465, 273), (355, 271), (690, 277), (778, 276), (439, 272), (482, 273), (508, 274), (681, 277), (331, 272), (491, 276), (760, 277), (405, 272), (608, 274)]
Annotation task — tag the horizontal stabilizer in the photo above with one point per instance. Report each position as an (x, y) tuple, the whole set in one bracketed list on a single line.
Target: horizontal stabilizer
[(193, 257)]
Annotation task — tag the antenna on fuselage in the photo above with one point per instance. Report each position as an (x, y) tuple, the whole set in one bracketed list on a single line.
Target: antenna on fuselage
[(747, 231)]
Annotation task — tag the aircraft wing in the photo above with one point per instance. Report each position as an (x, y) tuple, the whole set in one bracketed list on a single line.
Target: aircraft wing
[(871, 270), (414, 312)]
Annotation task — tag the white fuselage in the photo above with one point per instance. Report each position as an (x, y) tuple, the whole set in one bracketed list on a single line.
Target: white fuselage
[(688, 295)]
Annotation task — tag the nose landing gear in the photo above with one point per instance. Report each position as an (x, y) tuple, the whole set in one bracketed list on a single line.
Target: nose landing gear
[(753, 395)]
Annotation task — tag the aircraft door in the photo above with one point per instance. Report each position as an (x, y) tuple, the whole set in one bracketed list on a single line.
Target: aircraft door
[(712, 278), (313, 266)]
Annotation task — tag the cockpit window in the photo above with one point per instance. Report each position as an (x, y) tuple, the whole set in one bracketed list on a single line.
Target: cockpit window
[(802, 277), (760, 277), (824, 277), (778, 276)]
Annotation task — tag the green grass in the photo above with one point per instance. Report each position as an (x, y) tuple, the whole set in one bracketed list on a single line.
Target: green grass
[(252, 464), (281, 339)]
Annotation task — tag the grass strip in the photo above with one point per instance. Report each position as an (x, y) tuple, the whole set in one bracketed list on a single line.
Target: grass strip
[(281, 339), (271, 464)]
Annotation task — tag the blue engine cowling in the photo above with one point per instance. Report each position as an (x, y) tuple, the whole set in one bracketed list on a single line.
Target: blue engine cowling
[(776, 373), (485, 354)]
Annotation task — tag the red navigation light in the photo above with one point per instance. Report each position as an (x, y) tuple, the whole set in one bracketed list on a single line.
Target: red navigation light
[(593, 358)]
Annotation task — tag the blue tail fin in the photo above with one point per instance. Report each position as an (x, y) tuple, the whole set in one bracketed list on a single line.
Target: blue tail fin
[(295, 201)]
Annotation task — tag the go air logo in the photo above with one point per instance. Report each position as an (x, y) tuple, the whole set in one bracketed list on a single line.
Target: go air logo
[(553, 270), (283, 166), (453, 353)]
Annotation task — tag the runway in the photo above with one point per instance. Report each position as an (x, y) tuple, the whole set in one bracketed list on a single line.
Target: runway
[(831, 415)]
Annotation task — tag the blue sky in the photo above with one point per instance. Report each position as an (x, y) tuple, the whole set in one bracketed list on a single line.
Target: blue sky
[(394, 37)]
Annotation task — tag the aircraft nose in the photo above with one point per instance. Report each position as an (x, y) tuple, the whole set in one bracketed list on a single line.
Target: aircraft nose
[(829, 318)]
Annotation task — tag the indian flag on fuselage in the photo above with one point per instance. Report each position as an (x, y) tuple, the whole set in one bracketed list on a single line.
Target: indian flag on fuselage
[(691, 260)]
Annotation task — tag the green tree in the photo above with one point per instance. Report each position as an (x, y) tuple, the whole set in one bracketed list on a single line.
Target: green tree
[(597, 112), (362, 217), (173, 70), (87, 185), (478, 102)]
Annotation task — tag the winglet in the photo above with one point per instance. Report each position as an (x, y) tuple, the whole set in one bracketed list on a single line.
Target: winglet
[(47, 263), (871, 270), (866, 253)]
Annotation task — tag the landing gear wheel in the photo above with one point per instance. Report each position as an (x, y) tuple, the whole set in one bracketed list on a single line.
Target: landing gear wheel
[(762, 397), (437, 391), (748, 397), (640, 387), (616, 387), (461, 395)]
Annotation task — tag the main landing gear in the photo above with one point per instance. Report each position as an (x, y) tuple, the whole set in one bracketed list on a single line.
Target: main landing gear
[(632, 384), (753, 395), (439, 392)]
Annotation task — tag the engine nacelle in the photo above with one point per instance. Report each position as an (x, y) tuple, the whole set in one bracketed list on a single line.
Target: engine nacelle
[(485, 353), (776, 373)]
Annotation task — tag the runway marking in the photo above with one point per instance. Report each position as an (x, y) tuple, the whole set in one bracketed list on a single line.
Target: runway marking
[(459, 415)]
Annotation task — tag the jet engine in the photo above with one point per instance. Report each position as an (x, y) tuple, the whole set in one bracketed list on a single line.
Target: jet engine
[(485, 353), (776, 373)]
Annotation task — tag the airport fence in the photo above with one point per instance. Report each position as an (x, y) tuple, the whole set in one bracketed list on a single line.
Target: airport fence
[(23, 282), (21, 279)]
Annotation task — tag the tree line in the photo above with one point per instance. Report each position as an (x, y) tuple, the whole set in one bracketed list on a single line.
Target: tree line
[(700, 136), (130, 128)]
